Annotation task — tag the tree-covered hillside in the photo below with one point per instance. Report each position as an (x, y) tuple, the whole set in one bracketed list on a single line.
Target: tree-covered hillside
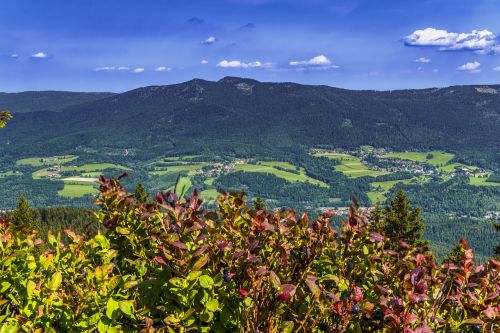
[(236, 114)]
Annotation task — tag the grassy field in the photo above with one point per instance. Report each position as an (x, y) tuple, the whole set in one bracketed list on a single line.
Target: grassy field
[(37, 161), (439, 158), (77, 189), (209, 181), (9, 174), (284, 165), (183, 186), (451, 167), (291, 177), (381, 188), (94, 167), (175, 169), (351, 166), (92, 170), (479, 181)]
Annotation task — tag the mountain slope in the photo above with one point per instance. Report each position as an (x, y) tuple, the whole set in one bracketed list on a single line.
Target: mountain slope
[(240, 112), (30, 101)]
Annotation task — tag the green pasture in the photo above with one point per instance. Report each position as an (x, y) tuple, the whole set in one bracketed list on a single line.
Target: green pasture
[(77, 189), (351, 166), (481, 181), (439, 158), (37, 161), (6, 174), (377, 195), (94, 167), (451, 167), (175, 169), (291, 177)]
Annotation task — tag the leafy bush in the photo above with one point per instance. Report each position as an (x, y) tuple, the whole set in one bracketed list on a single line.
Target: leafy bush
[(171, 266)]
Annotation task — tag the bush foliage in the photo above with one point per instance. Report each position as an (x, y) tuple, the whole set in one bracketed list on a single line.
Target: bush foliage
[(172, 266)]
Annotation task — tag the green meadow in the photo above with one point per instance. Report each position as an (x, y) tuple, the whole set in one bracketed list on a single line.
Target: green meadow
[(481, 181), (77, 189), (46, 161), (190, 168), (439, 158), (265, 167), (351, 166)]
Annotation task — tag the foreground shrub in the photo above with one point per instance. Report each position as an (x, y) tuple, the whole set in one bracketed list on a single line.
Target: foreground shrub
[(171, 266)]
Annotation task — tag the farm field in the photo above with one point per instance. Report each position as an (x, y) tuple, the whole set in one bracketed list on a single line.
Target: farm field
[(289, 176), (46, 161), (439, 158), (191, 169), (377, 195), (351, 166), (9, 174), (451, 167), (94, 167), (480, 181), (77, 190)]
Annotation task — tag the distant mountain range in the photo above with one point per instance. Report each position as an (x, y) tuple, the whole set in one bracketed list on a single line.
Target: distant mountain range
[(30, 101), (239, 112)]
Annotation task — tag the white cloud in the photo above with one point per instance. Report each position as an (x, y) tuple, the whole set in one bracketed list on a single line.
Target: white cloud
[(423, 60), (105, 69), (317, 62), (209, 41), (14, 56), (435, 70), (420, 68), (483, 41), (471, 67), (39, 55), (497, 69), (162, 69), (240, 64), (138, 70), (204, 62), (123, 68)]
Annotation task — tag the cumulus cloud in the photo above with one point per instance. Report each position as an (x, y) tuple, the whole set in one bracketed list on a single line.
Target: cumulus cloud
[(162, 69), (105, 69), (497, 69), (471, 67), (320, 61), (138, 70), (240, 64), (39, 55), (204, 62), (423, 60), (483, 41), (14, 56), (209, 41)]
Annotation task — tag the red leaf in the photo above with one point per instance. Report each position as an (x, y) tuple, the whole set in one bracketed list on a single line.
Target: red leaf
[(160, 260), (244, 292), (179, 245)]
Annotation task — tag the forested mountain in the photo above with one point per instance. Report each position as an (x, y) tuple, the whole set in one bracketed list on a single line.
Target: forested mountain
[(237, 112), (30, 101), (296, 146)]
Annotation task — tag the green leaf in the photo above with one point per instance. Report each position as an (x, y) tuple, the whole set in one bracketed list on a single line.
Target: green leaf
[(212, 305), (30, 286), (206, 282), (9, 328), (112, 309), (287, 327), (127, 307), (55, 281)]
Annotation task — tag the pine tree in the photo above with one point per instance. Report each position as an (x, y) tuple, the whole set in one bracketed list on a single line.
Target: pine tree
[(259, 204), (140, 193), (497, 249), (400, 223), (23, 216)]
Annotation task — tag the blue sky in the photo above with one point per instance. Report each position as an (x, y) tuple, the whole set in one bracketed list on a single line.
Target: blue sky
[(111, 45)]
